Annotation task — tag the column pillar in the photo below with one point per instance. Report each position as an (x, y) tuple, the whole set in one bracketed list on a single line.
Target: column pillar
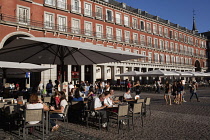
[(69, 73), (104, 72), (132, 77), (114, 69), (82, 72), (123, 71), (94, 73)]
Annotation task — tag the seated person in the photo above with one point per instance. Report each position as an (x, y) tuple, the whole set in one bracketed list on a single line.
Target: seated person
[(56, 100), (77, 96), (127, 95), (100, 108), (35, 103), (107, 101), (63, 104), (112, 97)]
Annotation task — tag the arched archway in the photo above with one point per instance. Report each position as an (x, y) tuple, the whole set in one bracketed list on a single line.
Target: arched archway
[(197, 66), (8, 38)]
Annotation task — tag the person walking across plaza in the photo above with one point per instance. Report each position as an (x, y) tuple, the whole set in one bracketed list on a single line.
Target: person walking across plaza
[(49, 87), (167, 95), (193, 90)]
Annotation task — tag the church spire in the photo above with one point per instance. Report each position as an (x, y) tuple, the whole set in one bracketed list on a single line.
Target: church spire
[(194, 28)]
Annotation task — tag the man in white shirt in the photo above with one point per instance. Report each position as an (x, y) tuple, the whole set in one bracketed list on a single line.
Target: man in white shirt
[(107, 101), (100, 109), (41, 88)]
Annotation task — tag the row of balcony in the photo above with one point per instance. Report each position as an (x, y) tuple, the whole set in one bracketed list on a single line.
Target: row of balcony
[(88, 33)]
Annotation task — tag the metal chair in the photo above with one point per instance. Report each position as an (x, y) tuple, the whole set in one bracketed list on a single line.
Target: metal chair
[(147, 105), (123, 114), (64, 116), (136, 112), (33, 115)]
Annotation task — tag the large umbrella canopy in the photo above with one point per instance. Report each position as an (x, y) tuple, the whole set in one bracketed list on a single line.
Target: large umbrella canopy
[(14, 67), (195, 74), (130, 73), (183, 74), (205, 74), (42, 50), (159, 73)]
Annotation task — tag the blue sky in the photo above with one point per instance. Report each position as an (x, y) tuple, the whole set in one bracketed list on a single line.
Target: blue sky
[(177, 11)]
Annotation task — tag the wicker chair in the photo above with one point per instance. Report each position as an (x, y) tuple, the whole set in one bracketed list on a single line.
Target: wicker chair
[(47, 100), (137, 112), (65, 116), (123, 114), (147, 106), (33, 115)]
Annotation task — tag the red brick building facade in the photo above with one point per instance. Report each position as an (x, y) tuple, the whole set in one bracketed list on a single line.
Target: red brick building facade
[(108, 23)]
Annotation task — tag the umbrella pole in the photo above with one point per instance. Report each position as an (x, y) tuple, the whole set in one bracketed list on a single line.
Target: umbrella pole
[(62, 69)]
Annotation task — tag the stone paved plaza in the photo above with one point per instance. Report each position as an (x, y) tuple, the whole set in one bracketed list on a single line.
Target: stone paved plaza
[(189, 121)]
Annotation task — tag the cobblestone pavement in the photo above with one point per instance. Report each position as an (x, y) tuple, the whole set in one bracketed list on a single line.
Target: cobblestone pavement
[(189, 121)]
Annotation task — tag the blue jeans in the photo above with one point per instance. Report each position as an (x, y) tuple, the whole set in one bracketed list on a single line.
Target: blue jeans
[(192, 93), (52, 122)]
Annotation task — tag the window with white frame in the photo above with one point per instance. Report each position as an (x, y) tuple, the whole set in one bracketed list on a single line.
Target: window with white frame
[(185, 49), (155, 29), (192, 51), (119, 34), (188, 39), (177, 60), (189, 50), (160, 30), (49, 20), (180, 37), (127, 36), (99, 30), (99, 12), (88, 28), (191, 40), (75, 26), (62, 23), (167, 59), (171, 46), (142, 40), (161, 44), (109, 32), (181, 48), (196, 42), (186, 61), (171, 34), (23, 14), (149, 27), (166, 45), (176, 35), (142, 27), (144, 54), (156, 58), (172, 59), (196, 51), (166, 32), (185, 38), (155, 43), (150, 57), (50, 2), (190, 61), (176, 47), (182, 60), (76, 6), (202, 44), (88, 9), (162, 58), (149, 41), (109, 15), (61, 4), (135, 38), (118, 18), (126, 20), (135, 23)]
